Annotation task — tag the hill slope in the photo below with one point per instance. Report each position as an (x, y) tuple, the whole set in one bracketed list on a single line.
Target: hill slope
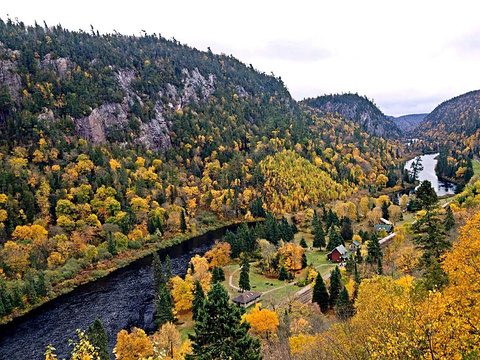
[(357, 109), (408, 122), (453, 119)]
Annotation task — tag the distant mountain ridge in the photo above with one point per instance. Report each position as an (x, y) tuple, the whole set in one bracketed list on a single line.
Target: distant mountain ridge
[(358, 109), (459, 116), (408, 122)]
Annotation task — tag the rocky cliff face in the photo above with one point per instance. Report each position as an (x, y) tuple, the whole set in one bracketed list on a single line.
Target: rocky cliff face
[(358, 109), (110, 118), (154, 134), (8, 74)]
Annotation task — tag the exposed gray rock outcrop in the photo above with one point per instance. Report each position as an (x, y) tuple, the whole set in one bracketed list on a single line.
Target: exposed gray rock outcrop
[(60, 65), (8, 74)]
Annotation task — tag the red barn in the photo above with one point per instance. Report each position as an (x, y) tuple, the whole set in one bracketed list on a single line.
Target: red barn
[(338, 254)]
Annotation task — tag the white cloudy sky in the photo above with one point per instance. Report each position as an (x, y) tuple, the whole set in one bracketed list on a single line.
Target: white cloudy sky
[(408, 55)]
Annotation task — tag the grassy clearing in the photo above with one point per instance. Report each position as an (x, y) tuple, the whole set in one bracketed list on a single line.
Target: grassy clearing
[(476, 167)]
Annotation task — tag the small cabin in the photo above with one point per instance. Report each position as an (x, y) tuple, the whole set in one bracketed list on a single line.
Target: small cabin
[(247, 298), (388, 228), (338, 254), (355, 245)]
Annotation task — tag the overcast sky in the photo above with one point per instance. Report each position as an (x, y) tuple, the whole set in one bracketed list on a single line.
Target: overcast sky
[(408, 56)]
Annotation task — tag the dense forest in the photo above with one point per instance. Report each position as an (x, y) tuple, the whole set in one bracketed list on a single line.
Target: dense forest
[(113, 146), (110, 143)]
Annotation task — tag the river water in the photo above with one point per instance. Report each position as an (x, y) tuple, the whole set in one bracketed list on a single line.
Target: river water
[(442, 187), (121, 300)]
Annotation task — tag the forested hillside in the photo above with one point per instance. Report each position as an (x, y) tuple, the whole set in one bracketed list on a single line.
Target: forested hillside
[(112, 143), (359, 109), (452, 128), (408, 123)]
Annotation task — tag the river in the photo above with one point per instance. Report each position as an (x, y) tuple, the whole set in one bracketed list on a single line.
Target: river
[(120, 300), (442, 187)]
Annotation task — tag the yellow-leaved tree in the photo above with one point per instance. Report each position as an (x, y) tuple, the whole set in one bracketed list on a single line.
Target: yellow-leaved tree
[(263, 322), (133, 346)]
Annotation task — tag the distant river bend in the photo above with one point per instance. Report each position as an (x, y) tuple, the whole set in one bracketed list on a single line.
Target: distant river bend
[(442, 187)]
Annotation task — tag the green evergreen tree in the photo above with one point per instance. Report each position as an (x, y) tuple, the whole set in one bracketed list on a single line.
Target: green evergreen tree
[(346, 230), (315, 221), (429, 230), (168, 268), (385, 206), (356, 275), (434, 277), (272, 232), (18, 300), (350, 264), (41, 284), (111, 246), (164, 308), (320, 294), (158, 277), (319, 236), (282, 273), (379, 266), (335, 286), (449, 219), (344, 309), (198, 299), (183, 222), (334, 239), (303, 243), (244, 281), (97, 336), (218, 275), (304, 261), (374, 250), (286, 230), (219, 331)]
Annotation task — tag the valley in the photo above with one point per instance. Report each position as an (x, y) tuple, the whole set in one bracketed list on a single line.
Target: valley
[(115, 149)]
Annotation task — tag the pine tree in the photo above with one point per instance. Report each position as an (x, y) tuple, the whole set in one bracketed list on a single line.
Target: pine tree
[(335, 285), (286, 230), (319, 237), (198, 299), (220, 332), (183, 222), (344, 306), (334, 239), (111, 247), (304, 261), (97, 336), (164, 308), (303, 243), (385, 210), (379, 266), (320, 294), (41, 285), (158, 277), (356, 275), (315, 221), (346, 231), (429, 230), (218, 275), (168, 268), (244, 282), (374, 250), (282, 273), (449, 219)]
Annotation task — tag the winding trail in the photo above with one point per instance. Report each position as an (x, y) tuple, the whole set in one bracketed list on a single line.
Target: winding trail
[(300, 292)]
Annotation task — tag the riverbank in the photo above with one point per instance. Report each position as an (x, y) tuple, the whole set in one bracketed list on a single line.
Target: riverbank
[(103, 268)]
